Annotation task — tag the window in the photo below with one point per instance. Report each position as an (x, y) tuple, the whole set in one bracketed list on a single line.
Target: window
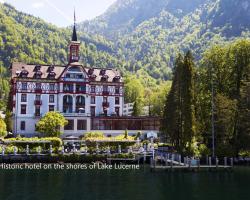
[(24, 74), (22, 126), (51, 98), (51, 108), (80, 88), (23, 109), (117, 100), (38, 86), (68, 88), (92, 100), (38, 97), (38, 75), (105, 88), (24, 86), (105, 99), (117, 90), (70, 125), (92, 89), (81, 124), (24, 98), (105, 111), (92, 110), (37, 111), (52, 87), (51, 75), (117, 111), (74, 69)]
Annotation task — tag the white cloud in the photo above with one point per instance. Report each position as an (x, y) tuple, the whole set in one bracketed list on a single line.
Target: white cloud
[(1, 1), (38, 5)]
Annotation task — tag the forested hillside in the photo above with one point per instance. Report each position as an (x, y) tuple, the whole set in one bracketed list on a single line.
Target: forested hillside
[(139, 37), (150, 33)]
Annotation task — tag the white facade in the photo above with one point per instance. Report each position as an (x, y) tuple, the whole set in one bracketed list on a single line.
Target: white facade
[(77, 99)]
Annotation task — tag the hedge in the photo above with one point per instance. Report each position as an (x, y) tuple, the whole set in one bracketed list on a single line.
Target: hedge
[(34, 143)]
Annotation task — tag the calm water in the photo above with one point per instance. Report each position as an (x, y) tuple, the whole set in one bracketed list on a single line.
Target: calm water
[(119, 185)]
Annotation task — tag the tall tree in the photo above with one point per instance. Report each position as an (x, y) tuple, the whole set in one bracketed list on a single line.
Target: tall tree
[(49, 124), (178, 117), (3, 131), (137, 107), (187, 101), (8, 121)]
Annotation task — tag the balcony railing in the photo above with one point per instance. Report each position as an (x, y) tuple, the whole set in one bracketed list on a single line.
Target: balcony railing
[(105, 93), (38, 90), (37, 115), (38, 102), (68, 91), (105, 104), (76, 114)]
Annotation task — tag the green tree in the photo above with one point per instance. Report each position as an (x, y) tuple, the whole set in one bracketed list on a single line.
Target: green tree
[(243, 127), (224, 124), (171, 125), (50, 123), (8, 121), (126, 134), (137, 108), (178, 117), (187, 102), (3, 131), (133, 89)]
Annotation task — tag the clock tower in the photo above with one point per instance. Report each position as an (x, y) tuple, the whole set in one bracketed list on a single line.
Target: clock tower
[(74, 46)]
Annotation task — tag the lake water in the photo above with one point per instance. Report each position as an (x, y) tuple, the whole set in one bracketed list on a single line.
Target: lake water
[(128, 184)]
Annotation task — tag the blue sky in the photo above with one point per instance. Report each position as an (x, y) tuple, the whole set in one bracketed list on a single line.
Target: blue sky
[(60, 12)]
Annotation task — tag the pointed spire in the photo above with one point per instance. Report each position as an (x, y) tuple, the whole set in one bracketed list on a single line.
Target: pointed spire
[(74, 35)]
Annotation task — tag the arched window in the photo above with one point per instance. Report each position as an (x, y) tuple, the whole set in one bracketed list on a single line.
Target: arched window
[(67, 104), (80, 104), (74, 69)]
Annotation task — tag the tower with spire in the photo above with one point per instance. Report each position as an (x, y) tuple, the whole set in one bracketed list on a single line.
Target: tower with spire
[(74, 45)]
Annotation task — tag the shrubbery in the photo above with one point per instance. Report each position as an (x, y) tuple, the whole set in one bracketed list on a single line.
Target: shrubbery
[(3, 131), (96, 134), (34, 143)]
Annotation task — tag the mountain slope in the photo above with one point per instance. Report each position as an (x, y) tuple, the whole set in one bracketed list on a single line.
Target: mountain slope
[(138, 36), (125, 15), (150, 33), (25, 38)]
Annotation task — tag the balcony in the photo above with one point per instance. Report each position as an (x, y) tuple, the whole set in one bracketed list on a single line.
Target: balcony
[(38, 90), (105, 104), (37, 115), (38, 102), (105, 93), (76, 114)]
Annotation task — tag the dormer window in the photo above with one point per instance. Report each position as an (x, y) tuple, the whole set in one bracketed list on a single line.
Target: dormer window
[(90, 71), (38, 74), (51, 75), (116, 79), (37, 68), (92, 77), (24, 73), (50, 69), (74, 69), (102, 72), (104, 78)]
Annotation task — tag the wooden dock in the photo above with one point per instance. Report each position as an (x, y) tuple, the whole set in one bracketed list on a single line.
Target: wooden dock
[(164, 163), (190, 168)]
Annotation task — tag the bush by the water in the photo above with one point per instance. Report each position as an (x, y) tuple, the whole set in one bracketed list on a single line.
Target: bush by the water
[(34, 143)]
